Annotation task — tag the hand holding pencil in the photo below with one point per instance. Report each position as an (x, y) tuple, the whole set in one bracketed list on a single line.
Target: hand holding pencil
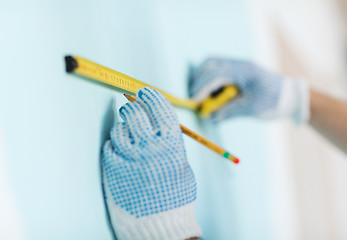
[(149, 185), (204, 141)]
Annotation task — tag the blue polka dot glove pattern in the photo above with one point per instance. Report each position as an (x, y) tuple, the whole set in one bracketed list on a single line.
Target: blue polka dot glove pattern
[(262, 94), (149, 186)]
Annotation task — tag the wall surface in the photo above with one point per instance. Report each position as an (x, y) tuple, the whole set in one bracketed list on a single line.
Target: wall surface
[(53, 125)]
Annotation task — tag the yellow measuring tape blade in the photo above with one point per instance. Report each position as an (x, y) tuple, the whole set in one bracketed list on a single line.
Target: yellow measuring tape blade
[(89, 69)]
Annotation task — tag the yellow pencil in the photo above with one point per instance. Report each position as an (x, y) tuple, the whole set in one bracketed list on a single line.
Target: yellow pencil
[(200, 139)]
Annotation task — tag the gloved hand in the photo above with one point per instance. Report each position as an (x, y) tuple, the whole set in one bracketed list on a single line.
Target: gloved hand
[(149, 186), (261, 93)]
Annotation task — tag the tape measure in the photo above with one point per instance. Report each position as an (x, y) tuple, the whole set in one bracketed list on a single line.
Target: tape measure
[(89, 69), (217, 99)]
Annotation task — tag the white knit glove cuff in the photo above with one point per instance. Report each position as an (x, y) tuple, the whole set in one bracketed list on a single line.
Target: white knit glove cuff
[(294, 101), (176, 224)]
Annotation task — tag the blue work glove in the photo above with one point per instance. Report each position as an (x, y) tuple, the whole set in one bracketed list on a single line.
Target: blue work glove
[(261, 93), (149, 186)]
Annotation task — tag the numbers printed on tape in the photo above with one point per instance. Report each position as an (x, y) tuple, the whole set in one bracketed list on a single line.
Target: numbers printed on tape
[(86, 68)]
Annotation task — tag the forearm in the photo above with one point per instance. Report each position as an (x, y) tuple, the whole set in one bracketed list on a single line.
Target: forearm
[(329, 117)]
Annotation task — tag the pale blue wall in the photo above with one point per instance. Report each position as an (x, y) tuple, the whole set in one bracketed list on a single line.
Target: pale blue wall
[(55, 124)]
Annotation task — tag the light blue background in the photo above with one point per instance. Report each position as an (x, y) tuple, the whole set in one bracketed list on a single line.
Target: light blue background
[(54, 124)]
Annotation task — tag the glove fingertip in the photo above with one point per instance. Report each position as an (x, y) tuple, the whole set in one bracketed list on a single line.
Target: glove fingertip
[(140, 92), (123, 109), (151, 98), (147, 91)]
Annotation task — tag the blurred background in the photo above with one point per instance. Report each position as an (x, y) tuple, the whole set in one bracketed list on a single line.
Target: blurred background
[(291, 183)]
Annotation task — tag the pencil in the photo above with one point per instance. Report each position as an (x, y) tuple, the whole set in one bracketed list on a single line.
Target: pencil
[(204, 141)]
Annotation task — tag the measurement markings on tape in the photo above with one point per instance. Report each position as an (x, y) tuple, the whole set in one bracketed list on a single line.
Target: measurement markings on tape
[(89, 69)]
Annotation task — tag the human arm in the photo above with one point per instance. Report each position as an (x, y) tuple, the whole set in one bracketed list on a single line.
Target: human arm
[(329, 117), (150, 189)]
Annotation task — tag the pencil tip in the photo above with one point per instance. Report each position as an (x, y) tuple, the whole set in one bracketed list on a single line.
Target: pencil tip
[(129, 97)]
